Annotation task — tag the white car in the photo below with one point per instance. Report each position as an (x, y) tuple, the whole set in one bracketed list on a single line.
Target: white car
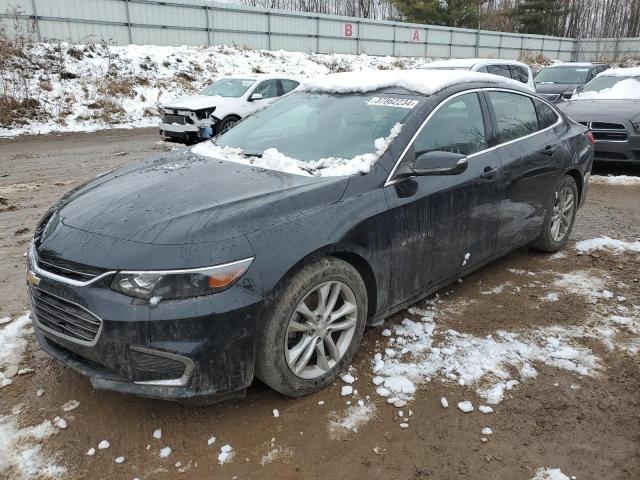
[(505, 68), (221, 105)]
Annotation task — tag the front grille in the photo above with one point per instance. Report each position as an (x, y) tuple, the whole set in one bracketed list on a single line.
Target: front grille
[(607, 126), (67, 269), (171, 119), (63, 316), (605, 136), (610, 155)]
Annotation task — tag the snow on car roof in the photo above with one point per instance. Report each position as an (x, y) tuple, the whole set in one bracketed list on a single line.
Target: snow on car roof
[(470, 62), (621, 72), (256, 76), (426, 82), (572, 64)]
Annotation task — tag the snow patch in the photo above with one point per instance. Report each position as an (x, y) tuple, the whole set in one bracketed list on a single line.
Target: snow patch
[(465, 406), (21, 453), (226, 454), (614, 180), (627, 89), (550, 474), (350, 421), (13, 342), (607, 243)]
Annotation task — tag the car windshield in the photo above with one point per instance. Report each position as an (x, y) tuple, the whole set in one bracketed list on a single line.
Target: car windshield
[(600, 83), (314, 126), (562, 75), (228, 87)]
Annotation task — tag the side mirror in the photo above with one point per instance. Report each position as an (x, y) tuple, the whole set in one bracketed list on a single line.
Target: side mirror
[(439, 163), (255, 96)]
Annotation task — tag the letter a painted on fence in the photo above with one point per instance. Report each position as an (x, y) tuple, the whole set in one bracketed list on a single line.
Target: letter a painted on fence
[(415, 36), (348, 30)]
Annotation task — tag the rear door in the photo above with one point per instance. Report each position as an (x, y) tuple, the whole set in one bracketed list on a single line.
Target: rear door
[(444, 224), (531, 157)]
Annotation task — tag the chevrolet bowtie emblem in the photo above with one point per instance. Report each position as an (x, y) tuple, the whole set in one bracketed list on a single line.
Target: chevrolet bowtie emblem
[(32, 279)]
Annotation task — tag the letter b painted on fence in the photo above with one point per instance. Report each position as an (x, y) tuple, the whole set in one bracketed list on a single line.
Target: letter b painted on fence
[(348, 30)]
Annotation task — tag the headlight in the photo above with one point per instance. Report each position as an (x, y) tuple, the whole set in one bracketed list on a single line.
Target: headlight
[(185, 113), (173, 284), (636, 126)]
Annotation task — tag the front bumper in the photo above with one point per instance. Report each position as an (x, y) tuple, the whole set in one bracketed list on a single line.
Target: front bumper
[(178, 350)]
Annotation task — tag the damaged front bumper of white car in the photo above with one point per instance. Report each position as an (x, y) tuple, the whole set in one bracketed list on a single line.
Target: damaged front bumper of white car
[(186, 125)]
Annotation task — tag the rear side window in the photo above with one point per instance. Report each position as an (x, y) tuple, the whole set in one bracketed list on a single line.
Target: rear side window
[(519, 73), (483, 70), (502, 70), (515, 115), (288, 85), (456, 127), (546, 115)]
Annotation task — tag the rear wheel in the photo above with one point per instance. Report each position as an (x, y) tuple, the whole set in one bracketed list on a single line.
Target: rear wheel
[(315, 328), (559, 219)]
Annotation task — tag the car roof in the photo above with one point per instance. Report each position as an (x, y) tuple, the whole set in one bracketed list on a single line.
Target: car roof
[(574, 64), (258, 76), (471, 62)]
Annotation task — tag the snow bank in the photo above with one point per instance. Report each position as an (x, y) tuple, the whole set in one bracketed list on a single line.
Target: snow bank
[(628, 89), (615, 180), (607, 243), (21, 450), (84, 88), (426, 82), (272, 159)]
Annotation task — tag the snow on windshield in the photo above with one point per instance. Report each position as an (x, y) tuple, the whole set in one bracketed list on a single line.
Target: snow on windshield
[(621, 72), (426, 82), (273, 159), (627, 89)]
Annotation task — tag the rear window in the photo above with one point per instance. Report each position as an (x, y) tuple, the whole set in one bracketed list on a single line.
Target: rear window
[(515, 115), (502, 70), (519, 73)]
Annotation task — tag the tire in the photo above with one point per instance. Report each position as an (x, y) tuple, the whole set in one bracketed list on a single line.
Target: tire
[(279, 339), (227, 122), (549, 241)]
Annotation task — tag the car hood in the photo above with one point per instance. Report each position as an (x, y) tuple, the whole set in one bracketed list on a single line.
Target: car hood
[(198, 102), (555, 87), (628, 109), (186, 199)]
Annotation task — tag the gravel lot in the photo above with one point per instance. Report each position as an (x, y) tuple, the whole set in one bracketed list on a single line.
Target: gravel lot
[(586, 425)]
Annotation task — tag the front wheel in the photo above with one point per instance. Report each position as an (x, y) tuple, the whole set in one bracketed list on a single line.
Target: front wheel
[(315, 328), (559, 219)]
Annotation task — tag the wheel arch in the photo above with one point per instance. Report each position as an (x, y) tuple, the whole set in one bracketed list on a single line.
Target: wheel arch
[(575, 174), (352, 257)]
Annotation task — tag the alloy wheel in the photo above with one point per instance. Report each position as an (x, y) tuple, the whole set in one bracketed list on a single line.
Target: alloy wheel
[(563, 212), (321, 329)]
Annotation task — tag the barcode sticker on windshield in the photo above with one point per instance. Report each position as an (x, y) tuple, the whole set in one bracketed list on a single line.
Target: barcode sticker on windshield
[(393, 102)]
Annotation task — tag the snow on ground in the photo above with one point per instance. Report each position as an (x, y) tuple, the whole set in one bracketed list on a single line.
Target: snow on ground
[(275, 452), (13, 343), (419, 352), (93, 87), (272, 159), (550, 474), (614, 180), (226, 454), (351, 420), (21, 453), (607, 243)]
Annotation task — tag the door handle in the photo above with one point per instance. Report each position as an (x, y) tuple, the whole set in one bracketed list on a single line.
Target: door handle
[(488, 173), (549, 150)]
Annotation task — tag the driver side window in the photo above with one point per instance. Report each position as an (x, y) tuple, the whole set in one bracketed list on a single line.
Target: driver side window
[(268, 89), (457, 127)]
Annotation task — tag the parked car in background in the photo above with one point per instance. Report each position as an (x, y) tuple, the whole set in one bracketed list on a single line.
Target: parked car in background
[(221, 105), (187, 275), (505, 68), (609, 105), (558, 82)]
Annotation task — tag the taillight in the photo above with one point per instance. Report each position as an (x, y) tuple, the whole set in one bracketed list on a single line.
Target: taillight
[(589, 136)]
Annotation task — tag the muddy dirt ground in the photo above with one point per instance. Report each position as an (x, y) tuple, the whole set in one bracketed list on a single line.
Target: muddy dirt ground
[(589, 426)]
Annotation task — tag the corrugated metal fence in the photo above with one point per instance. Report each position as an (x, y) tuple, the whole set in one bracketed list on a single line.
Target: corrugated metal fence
[(200, 22)]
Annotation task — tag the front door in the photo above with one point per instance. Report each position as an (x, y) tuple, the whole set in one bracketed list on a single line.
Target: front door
[(444, 224)]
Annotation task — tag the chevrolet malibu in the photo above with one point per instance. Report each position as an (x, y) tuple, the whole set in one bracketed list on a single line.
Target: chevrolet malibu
[(268, 250)]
